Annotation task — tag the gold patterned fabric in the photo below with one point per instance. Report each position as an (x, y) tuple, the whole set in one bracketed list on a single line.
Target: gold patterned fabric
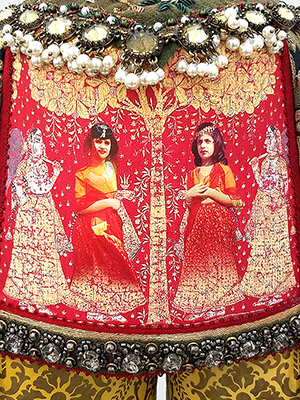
[(275, 377), (271, 378)]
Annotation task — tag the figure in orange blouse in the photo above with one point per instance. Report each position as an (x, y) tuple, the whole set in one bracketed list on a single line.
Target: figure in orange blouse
[(209, 273), (104, 281)]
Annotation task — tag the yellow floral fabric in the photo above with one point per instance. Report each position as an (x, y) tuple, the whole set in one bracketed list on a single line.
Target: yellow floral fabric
[(275, 377)]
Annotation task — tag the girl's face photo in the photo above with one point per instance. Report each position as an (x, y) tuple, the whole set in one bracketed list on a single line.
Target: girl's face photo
[(102, 147), (205, 146)]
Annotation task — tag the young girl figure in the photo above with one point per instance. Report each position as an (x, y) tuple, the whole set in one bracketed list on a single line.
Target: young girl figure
[(209, 272), (104, 282)]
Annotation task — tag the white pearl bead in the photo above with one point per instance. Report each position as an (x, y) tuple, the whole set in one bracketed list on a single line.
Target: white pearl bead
[(260, 7), (258, 42), (160, 73), (246, 49), (157, 26), (64, 47), (95, 64), (7, 29), (74, 67), (233, 23), (43, 6), (65, 54), (233, 43), (192, 70), (182, 66), (14, 49), (73, 53), (202, 69), (35, 48), (281, 35), (45, 57), (274, 49), (221, 61), (36, 61), (23, 49), (243, 25), (270, 41), (53, 50), (279, 44), (268, 31), (85, 11), (112, 20), (104, 70), (90, 72), (184, 19), (27, 39), (216, 40), (152, 78), (212, 71), (58, 62), (132, 81), (8, 40), (120, 75), (230, 12), (108, 62), (83, 60), (143, 78), (63, 9)]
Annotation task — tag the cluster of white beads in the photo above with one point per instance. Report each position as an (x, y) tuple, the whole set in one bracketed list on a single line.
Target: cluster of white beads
[(210, 70), (270, 38), (132, 80), (64, 54)]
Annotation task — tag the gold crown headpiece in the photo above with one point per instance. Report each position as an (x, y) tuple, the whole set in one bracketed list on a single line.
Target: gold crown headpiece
[(206, 130)]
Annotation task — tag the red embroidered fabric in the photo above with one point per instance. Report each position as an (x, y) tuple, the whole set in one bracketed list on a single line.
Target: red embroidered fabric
[(150, 264)]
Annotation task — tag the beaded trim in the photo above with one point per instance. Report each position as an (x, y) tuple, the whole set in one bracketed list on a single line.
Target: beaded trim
[(141, 356), (77, 37)]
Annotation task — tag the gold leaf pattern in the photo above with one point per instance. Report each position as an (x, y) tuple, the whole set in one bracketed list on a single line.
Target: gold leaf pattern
[(272, 378)]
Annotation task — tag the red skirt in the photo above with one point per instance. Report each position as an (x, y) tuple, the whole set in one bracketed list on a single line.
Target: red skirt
[(209, 275)]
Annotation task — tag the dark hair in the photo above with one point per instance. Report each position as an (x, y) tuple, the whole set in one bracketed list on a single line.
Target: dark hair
[(219, 151), (100, 131)]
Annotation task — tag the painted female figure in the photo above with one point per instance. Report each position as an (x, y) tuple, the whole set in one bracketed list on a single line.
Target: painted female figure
[(103, 279), (270, 268), (35, 274), (209, 272)]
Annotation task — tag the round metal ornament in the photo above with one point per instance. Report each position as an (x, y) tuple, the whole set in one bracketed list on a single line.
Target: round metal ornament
[(196, 38), (284, 16)]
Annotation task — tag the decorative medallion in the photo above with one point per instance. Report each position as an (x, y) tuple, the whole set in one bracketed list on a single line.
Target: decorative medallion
[(141, 43), (6, 15), (60, 27), (284, 16)]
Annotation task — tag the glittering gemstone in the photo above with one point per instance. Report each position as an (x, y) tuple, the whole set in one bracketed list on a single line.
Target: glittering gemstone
[(214, 359), (7, 13), (248, 349), (286, 13), (195, 34), (51, 353), (29, 16), (172, 363), (141, 42), (90, 361), (131, 364), (281, 342), (59, 26), (220, 17), (13, 343), (255, 17), (96, 33)]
